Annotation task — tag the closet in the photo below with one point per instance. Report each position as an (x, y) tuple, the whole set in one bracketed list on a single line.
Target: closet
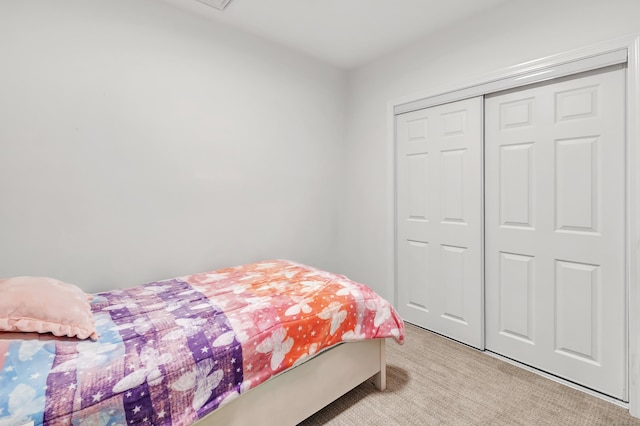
[(510, 224)]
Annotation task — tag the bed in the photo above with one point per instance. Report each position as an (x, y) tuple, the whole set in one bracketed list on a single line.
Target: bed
[(264, 343)]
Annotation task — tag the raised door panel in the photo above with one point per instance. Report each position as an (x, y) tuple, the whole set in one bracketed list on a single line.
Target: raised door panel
[(418, 186), (515, 286), (577, 184), (417, 268), (515, 182), (577, 311), (452, 260), (452, 191)]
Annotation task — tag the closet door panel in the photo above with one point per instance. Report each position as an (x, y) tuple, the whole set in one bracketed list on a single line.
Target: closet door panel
[(439, 213), (554, 228)]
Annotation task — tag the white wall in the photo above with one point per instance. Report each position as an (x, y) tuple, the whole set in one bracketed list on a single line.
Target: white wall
[(138, 142), (509, 35)]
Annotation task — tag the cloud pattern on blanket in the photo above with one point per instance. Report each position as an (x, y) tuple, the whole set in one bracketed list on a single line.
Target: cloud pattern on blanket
[(172, 351)]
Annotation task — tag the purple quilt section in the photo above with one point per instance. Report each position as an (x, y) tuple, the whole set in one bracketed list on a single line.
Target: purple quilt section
[(172, 340)]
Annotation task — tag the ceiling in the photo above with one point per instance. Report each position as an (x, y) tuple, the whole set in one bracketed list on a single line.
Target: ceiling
[(345, 33)]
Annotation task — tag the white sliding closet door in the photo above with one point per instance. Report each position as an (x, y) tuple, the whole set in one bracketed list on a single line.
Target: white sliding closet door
[(554, 228), (439, 214)]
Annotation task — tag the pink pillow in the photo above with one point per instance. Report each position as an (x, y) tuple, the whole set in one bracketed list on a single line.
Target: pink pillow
[(45, 305)]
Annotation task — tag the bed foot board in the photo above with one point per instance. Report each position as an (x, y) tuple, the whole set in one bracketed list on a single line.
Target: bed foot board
[(289, 398)]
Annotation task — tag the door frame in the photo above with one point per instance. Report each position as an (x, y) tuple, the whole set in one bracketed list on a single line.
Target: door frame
[(624, 49)]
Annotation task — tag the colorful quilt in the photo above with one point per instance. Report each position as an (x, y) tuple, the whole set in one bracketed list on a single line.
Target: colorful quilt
[(172, 351)]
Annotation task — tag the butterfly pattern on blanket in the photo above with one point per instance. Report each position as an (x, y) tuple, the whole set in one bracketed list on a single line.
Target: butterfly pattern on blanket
[(172, 351)]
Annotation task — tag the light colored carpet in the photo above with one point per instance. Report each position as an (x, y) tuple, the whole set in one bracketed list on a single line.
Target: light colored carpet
[(432, 380)]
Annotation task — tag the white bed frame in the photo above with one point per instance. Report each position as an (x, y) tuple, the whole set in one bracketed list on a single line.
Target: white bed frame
[(296, 394)]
